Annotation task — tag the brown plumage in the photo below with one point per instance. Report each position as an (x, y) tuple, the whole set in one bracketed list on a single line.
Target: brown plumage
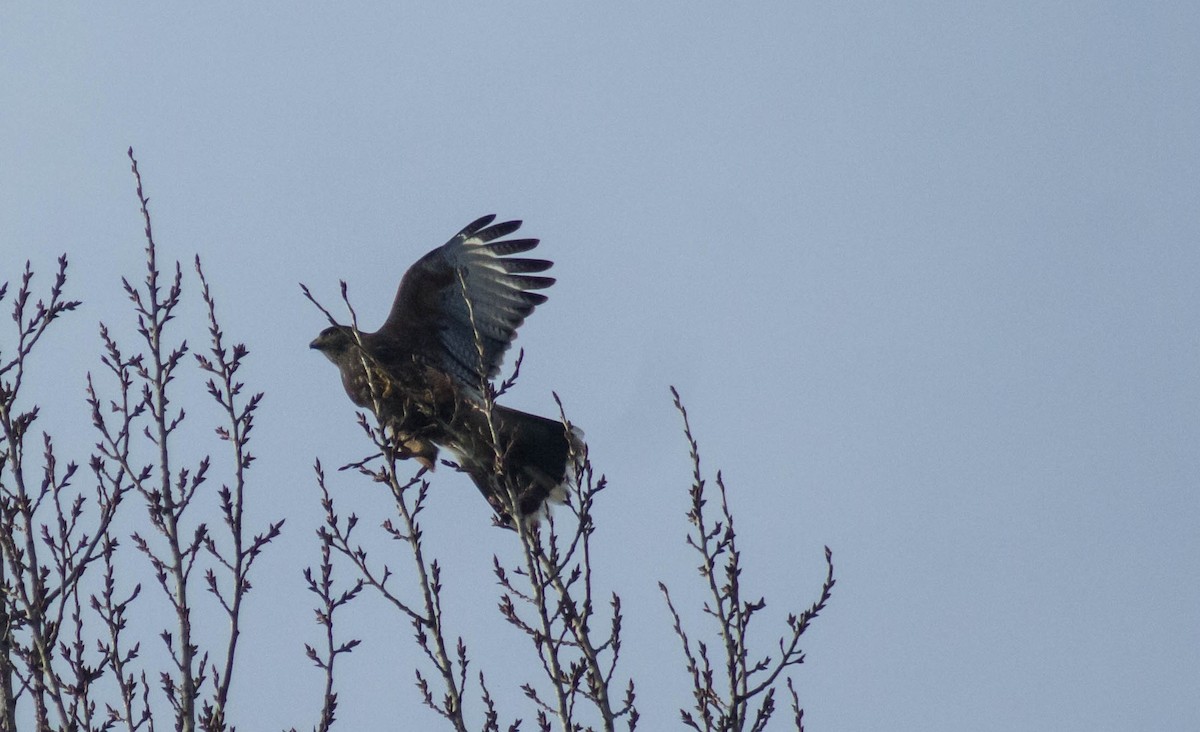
[(456, 313)]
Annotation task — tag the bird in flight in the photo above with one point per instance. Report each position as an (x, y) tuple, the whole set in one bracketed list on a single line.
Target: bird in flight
[(428, 369)]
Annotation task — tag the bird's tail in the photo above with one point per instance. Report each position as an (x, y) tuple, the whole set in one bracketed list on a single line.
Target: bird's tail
[(537, 459)]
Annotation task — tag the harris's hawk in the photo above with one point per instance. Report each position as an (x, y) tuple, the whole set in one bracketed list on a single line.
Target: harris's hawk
[(456, 313)]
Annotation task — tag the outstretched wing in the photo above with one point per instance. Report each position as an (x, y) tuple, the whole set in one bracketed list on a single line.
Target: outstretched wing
[(460, 305)]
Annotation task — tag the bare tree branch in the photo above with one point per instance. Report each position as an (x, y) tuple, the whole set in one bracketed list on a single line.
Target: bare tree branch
[(725, 705)]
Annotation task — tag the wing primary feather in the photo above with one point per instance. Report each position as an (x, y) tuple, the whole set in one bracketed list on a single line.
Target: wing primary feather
[(514, 266), (476, 225), (509, 246), (503, 228), (528, 282), (504, 303)]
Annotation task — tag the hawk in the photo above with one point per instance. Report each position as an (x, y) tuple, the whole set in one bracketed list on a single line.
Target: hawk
[(428, 368)]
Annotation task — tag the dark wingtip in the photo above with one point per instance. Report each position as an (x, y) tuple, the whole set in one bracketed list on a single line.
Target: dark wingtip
[(504, 228), (532, 282), (477, 224)]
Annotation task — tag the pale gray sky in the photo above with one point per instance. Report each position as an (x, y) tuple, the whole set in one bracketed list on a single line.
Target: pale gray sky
[(925, 273)]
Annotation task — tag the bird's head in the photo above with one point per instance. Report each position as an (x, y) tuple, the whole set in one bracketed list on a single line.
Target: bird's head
[(334, 341)]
